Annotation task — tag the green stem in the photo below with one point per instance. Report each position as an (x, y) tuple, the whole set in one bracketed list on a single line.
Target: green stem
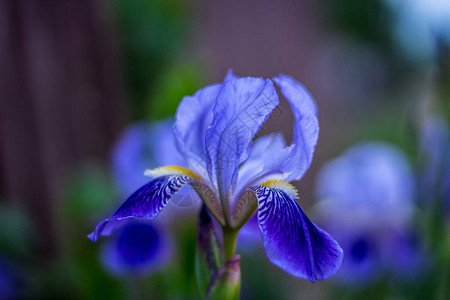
[(229, 242)]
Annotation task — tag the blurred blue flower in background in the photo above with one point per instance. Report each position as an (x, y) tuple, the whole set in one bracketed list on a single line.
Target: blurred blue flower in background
[(139, 248), (435, 151), (420, 25), (249, 237), (143, 145), (214, 130), (446, 184), (366, 202), (11, 279)]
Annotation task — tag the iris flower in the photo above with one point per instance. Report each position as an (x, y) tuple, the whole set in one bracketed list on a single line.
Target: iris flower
[(367, 204), (236, 176)]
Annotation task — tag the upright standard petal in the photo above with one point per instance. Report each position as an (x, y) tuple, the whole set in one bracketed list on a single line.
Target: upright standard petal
[(193, 116), (295, 160), (263, 150), (291, 240), (148, 201), (241, 108), (231, 76)]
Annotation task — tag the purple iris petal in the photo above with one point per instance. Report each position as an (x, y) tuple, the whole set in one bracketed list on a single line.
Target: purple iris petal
[(193, 117), (231, 76), (291, 240), (139, 248), (146, 203), (263, 150), (143, 145), (293, 161), (240, 109)]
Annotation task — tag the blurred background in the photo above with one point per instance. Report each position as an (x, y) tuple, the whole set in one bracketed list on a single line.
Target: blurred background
[(76, 74)]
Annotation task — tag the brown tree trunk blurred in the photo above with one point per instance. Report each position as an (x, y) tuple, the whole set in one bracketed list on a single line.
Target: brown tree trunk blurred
[(60, 100)]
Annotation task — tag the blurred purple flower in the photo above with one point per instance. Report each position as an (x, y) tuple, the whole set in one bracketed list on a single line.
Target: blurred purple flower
[(250, 235), (138, 248), (11, 280), (214, 131), (419, 25), (143, 145), (148, 145), (435, 151), (367, 204), (446, 184)]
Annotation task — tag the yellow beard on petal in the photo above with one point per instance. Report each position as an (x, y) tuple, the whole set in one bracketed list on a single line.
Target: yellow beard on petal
[(171, 170), (281, 185)]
